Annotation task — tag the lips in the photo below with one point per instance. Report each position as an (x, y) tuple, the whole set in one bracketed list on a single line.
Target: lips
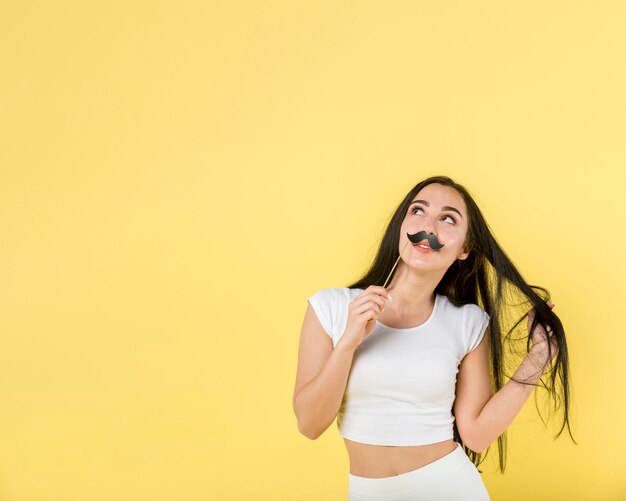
[(424, 247)]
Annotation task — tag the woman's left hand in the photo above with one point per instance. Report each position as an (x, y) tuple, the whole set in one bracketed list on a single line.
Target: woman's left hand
[(540, 335)]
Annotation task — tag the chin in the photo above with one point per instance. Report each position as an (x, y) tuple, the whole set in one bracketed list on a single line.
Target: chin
[(425, 264)]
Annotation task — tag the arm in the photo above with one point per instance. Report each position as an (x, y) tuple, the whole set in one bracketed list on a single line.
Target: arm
[(482, 416), (321, 379), (501, 409)]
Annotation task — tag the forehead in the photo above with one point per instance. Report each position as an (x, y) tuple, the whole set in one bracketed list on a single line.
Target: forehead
[(438, 195)]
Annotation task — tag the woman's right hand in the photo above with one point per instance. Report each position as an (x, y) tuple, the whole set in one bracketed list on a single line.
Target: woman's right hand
[(363, 312)]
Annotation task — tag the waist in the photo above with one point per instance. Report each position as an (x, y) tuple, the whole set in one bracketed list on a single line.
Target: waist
[(378, 461)]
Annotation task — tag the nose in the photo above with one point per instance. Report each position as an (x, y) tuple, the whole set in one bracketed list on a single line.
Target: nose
[(428, 225)]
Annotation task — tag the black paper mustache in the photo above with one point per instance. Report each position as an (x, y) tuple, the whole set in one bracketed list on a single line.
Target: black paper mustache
[(433, 242)]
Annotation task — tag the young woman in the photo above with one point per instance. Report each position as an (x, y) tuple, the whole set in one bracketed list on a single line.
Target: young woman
[(413, 371)]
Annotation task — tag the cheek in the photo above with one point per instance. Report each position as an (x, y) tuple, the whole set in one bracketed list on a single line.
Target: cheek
[(453, 239)]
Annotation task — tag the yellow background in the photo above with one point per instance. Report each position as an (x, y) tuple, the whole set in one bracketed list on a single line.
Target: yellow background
[(176, 178)]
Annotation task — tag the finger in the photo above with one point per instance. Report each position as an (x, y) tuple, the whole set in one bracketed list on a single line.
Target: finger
[(367, 306), (380, 290), (385, 293), (380, 300), (371, 296)]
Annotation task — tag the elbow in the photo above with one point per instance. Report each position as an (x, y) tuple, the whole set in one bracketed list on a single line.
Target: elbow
[(476, 446), (305, 427), (478, 449), (307, 431), (309, 424), (473, 436), (310, 428)]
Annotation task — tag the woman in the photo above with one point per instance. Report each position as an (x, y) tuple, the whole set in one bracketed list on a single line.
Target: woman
[(410, 369)]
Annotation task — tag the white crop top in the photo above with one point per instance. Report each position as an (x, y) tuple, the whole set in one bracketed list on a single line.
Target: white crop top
[(402, 382)]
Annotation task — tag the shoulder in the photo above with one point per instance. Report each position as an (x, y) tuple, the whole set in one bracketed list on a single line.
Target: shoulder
[(324, 295), (475, 311), (337, 297), (469, 319), (468, 312), (475, 320), (331, 306)]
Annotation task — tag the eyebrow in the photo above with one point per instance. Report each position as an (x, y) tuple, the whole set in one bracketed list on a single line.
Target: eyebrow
[(445, 207)]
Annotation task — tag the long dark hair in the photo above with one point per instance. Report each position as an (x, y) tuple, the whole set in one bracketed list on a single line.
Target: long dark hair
[(484, 278)]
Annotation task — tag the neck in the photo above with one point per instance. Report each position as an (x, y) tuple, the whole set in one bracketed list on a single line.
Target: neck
[(413, 290)]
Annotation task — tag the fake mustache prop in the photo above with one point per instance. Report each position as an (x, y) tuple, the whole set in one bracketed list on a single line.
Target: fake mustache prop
[(422, 235), (415, 238)]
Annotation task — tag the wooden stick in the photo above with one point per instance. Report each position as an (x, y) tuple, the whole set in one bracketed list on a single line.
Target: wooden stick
[(394, 266)]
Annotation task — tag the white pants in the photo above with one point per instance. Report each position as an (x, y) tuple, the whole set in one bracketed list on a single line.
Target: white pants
[(450, 478)]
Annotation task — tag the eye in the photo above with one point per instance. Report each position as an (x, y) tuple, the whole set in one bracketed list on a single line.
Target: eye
[(446, 215)]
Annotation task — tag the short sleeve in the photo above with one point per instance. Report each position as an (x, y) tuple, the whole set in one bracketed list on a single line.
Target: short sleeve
[(324, 304), (478, 326)]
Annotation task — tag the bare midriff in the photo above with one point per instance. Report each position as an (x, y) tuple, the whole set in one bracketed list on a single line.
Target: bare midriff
[(379, 461)]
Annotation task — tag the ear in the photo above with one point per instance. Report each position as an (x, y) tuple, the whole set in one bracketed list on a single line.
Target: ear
[(463, 255)]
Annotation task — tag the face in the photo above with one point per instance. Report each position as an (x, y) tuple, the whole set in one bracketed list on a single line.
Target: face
[(437, 216)]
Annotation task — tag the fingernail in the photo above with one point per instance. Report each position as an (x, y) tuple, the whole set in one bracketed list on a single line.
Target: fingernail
[(389, 296)]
